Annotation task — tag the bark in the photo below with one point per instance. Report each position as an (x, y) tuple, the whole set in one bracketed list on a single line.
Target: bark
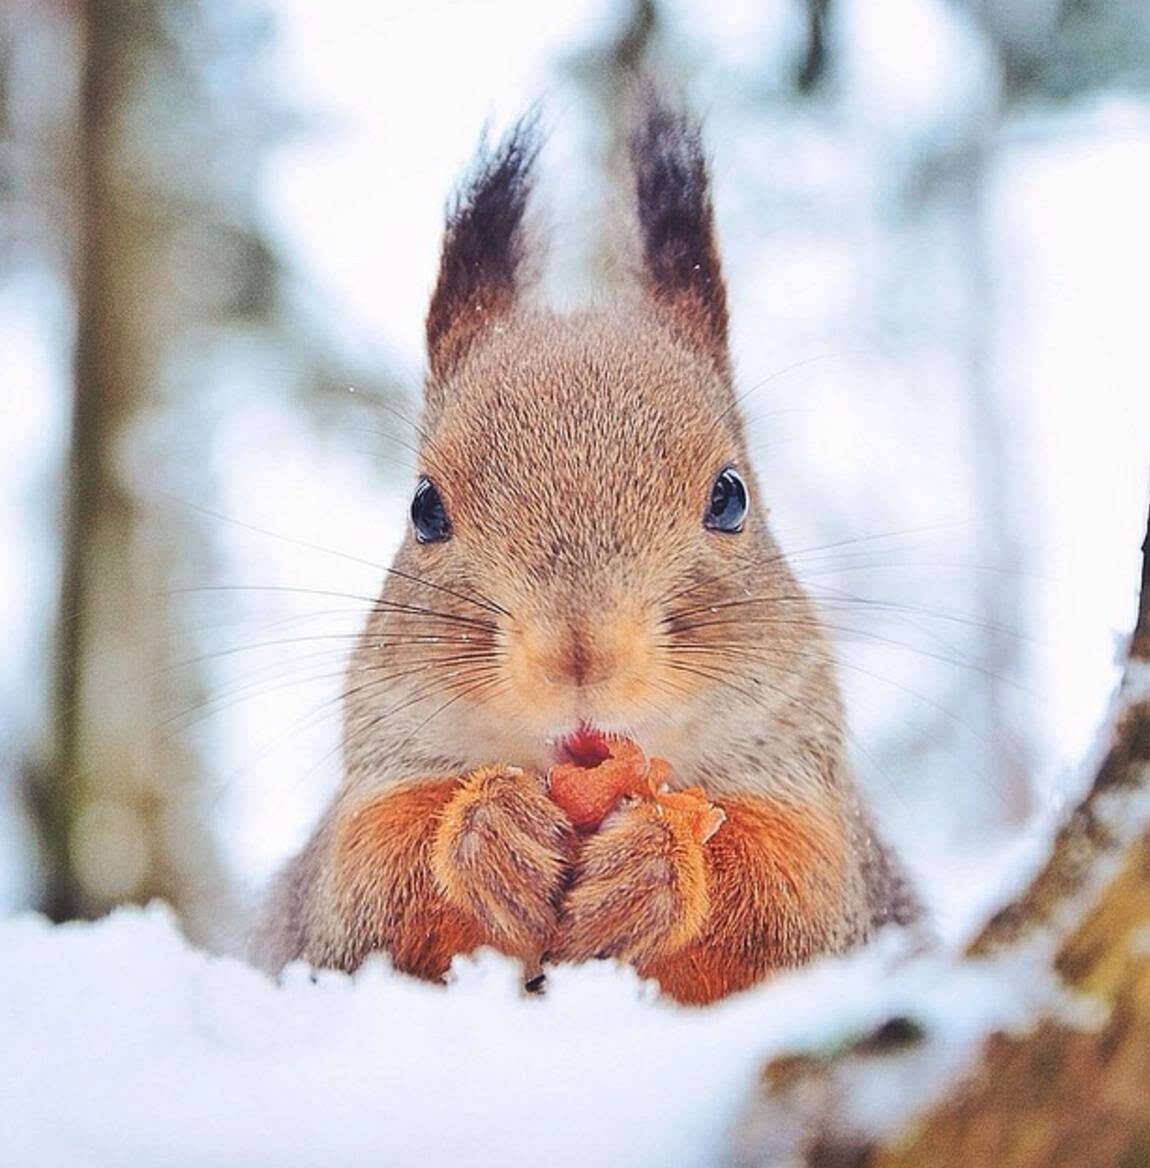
[(1070, 1087), (813, 68), (178, 293), (116, 808)]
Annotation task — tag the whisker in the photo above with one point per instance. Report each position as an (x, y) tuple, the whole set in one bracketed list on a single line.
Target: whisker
[(742, 397), (794, 555), (680, 667), (258, 688), (742, 652), (358, 733), (779, 598), (484, 602), (377, 604), (384, 643), (483, 682), (844, 599), (889, 641), (389, 408), (836, 728), (353, 735), (833, 566)]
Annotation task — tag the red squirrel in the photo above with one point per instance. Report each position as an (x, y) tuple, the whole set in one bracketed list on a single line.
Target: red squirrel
[(592, 714)]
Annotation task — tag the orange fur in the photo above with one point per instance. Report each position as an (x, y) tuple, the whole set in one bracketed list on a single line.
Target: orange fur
[(776, 883), (704, 900), (441, 866), (383, 884), (639, 887), (502, 853)]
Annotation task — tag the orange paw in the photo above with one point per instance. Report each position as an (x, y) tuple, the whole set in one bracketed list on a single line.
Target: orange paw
[(639, 887), (502, 851), (691, 807)]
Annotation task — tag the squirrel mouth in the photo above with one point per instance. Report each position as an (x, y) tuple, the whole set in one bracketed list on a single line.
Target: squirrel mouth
[(585, 747)]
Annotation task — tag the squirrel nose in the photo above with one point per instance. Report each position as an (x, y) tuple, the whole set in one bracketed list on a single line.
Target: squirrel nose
[(554, 655), (580, 658)]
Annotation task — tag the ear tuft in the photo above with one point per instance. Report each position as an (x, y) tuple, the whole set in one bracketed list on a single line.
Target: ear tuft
[(681, 259), (482, 245)]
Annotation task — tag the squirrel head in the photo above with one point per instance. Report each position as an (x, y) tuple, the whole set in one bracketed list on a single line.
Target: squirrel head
[(587, 547)]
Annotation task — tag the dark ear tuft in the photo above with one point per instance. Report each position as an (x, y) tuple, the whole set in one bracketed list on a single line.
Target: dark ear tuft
[(482, 246), (681, 259)]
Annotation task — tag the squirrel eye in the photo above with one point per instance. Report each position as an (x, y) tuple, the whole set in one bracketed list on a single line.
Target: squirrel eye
[(727, 509), (428, 515)]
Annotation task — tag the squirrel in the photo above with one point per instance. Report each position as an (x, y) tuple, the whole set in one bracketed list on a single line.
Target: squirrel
[(588, 575)]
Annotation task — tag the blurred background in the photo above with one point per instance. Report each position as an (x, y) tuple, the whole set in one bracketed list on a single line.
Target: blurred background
[(219, 225)]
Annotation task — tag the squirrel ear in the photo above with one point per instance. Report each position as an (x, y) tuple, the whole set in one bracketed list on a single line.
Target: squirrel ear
[(482, 246), (680, 258)]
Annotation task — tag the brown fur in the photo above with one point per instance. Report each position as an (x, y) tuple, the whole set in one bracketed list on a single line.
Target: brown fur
[(575, 456)]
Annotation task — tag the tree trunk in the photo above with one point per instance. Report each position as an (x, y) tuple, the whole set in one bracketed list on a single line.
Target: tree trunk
[(1072, 1087), (116, 809)]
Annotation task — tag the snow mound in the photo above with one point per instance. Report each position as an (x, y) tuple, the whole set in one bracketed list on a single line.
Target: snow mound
[(124, 1045)]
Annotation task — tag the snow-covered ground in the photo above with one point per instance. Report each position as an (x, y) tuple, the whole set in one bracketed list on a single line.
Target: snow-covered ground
[(124, 1047)]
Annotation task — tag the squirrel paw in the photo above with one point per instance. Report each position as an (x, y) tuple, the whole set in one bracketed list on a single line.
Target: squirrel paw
[(639, 889), (502, 852)]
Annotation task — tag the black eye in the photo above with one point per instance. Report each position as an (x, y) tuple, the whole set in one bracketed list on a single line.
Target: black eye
[(428, 515), (727, 509)]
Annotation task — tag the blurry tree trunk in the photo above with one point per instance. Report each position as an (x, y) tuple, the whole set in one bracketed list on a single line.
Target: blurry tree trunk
[(1067, 1091), (117, 811), (179, 296), (813, 67), (59, 792)]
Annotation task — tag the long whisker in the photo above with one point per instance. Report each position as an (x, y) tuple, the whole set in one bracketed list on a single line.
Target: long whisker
[(310, 717), (739, 652), (354, 735), (889, 641), (484, 602), (420, 430), (835, 597), (841, 565), (742, 397), (358, 733), (779, 598), (710, 676), (795, 555), (377, 605), (836, 728), (260, 688), (281, 642), (493, 682)]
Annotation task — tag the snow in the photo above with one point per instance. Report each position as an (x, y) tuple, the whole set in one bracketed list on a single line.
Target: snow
[(130, 1047)]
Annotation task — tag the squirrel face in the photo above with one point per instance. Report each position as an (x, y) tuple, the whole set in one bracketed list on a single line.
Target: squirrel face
[(575, 460), (588, 547)]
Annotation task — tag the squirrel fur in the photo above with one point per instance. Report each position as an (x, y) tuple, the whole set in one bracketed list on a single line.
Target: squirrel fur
[(572, 459)]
